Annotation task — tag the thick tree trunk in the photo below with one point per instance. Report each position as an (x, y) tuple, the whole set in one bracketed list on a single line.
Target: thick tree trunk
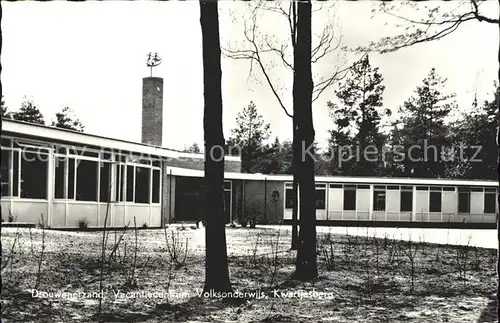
[(216, 266), (295, 143), (295, 165), (306, 267)]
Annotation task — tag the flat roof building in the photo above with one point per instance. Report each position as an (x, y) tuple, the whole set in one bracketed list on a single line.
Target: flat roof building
[(67, 176)]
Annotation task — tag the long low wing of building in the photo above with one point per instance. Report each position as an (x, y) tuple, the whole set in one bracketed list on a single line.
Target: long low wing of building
[(342, 200)]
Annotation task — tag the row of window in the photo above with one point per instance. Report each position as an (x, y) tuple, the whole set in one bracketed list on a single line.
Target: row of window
[(406, 198), (78, 179)]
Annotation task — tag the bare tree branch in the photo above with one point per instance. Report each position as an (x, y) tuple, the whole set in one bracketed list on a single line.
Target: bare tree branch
[(280, 52), (324, 46), (254, 55), (481, 17), (339, 74), (259, 47), (445, 23)]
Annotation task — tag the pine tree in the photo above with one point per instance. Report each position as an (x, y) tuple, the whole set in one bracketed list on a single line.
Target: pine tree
[(476, 128), (393, 160), (249, 137), (340, 142), (194, 148), (65, 119), (357, 120), (268, 159), (29, 112), (423, 117), (283, 156)]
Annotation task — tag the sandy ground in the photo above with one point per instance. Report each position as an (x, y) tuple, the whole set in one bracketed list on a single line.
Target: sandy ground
[(362, 278)]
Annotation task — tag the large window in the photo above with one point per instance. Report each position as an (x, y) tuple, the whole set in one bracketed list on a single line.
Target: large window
[(86, 180), (15, 174), (71, 178), (59, 177), (379, 198), (156, 186), (435, 199), (406, 199), (10, 160), (105, 182), (5, 172), (120, 183), (289, 196), (138, 184), (490, 201), (320, 196), (463, 200), (34, 168), (142, 181), (130, 184), (350, 197)]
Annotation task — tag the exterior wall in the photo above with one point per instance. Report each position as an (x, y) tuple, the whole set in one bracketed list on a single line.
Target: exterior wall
[(335, 203), (421, 206), (199, 164), (476, 203), (363, 203), (237, 200), (5, 205), (168, 197), (25, 210), (67, 214), (321, 213), (152, 110), (258, 201), (449, 206), (249, 199), (393, 206)]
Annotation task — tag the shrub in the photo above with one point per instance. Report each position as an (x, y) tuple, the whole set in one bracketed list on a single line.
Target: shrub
[(83, 223), (11, 217)]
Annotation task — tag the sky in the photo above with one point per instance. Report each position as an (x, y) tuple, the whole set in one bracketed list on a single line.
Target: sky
[(91, 56)]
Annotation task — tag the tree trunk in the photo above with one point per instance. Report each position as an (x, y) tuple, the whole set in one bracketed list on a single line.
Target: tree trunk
[(498, 196), (295, 165), (216, 266), (295, 141), (306, 267)]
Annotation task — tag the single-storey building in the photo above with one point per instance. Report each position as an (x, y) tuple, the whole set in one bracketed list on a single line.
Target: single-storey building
[(68, 176)]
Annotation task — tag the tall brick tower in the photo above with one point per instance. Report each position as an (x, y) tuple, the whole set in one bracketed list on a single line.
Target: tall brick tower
[(152, 110)]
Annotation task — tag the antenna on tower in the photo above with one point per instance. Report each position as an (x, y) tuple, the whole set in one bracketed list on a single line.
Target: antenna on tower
[(153, 61)]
